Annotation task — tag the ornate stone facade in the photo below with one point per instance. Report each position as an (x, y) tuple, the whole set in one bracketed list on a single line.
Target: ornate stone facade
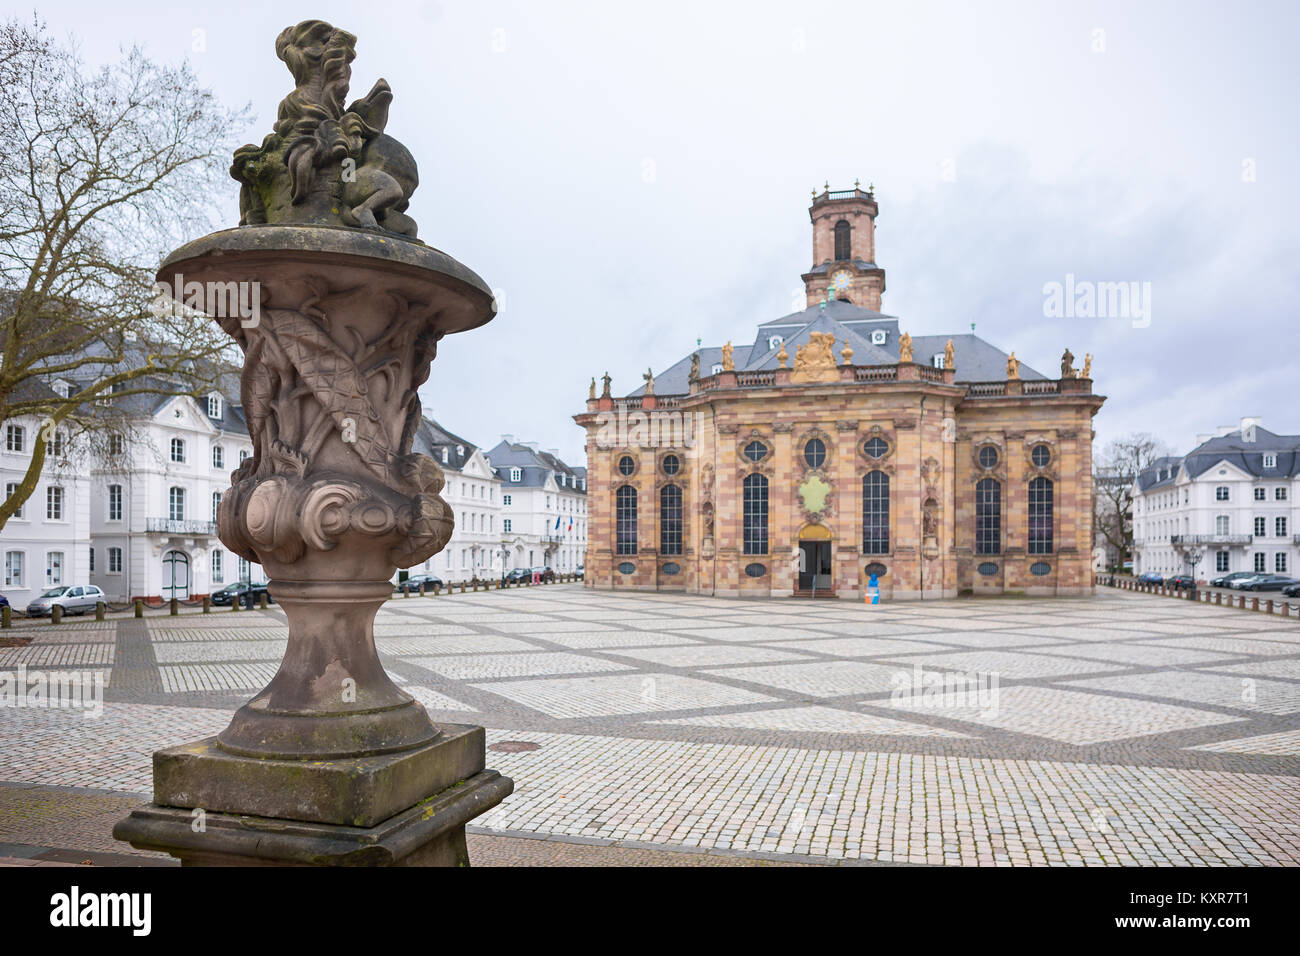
[(858, 468)]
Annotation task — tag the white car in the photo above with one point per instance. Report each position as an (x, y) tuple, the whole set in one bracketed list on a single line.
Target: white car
[(74, 599)]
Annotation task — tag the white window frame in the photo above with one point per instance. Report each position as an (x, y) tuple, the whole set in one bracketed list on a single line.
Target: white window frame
[(14, 567), (218, 457), (178, 450), (176, 503), (53, 568), (15, 438), (114, 561), (114, 509), (54, 501), (11, 488), (214, 406)]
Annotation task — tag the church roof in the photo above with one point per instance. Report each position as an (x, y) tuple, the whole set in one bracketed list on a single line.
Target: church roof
[(976, 359)]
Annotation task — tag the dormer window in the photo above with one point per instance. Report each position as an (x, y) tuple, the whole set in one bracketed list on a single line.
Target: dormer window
[(446, 455), (62, 388), (879, 336), (516, 474), (842, 232), (460, 451), (774, 341), (1270, 461), (716, 369), (214, 406), (937, 360)]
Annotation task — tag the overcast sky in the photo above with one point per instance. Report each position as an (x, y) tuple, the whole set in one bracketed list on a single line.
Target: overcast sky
[(630, 177)]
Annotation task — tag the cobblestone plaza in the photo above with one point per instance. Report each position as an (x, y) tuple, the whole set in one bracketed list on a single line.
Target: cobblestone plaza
[(1117, 729)]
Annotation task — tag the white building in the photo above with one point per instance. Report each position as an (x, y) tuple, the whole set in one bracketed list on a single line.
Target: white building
[(47, 542), (153, 518), (1227, 505), (544, 506), (473, 492)]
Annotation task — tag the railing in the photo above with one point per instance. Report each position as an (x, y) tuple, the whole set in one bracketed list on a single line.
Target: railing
[(667, 402), (977, 389), (634, 402), (171, 526), (1041, 388), (1183, 540), (931, 374), (842, 194), (875, 373), (755, 379)]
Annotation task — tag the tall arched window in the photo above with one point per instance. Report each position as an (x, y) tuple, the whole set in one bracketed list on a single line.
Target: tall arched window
[(988, 517), (755, 514), (670, 520), (1040, 516), (625, 520), (842, 231), (875, 513)]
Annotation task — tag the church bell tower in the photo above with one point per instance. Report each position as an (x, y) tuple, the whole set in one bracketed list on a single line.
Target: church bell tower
[(844, 248)]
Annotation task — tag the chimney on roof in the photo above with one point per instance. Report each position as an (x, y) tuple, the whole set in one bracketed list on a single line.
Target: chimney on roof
[(1248, 425)]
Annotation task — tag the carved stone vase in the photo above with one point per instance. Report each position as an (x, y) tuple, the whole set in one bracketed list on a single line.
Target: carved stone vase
[(332, 763)]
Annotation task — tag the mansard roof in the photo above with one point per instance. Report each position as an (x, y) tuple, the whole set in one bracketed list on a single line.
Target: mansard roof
[(1232, 449), (535, 466), (976, 359)]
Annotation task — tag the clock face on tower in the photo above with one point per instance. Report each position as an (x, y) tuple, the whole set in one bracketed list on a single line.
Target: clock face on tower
[(842, 278)]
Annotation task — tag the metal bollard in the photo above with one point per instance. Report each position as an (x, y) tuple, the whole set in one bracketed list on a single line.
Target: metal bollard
[(139, 608), (99, 610), (56, 614)]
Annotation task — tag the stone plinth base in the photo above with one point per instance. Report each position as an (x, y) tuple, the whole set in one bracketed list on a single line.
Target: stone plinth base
[(403, 809)]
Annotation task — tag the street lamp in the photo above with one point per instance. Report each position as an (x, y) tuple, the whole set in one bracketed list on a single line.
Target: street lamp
[(1193, 558)]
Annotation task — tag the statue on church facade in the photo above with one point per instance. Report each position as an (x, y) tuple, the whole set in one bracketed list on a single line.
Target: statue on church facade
[(905, 348)]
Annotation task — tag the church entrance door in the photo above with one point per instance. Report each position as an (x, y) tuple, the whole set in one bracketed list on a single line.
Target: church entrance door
[(814, 574)]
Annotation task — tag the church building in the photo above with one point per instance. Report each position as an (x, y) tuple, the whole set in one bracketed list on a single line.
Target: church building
[(835, 448)]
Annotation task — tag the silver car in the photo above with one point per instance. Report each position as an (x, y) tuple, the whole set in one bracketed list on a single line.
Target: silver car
[(74, 599)]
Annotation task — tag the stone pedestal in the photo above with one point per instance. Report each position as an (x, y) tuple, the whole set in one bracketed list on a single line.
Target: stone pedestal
[(339, 311)]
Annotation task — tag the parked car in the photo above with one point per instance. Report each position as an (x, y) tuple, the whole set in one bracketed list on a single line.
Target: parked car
[(1225, 580), (517, 574), (1180, 581), (1269, 582), (1241, 584), (1150, 577), (74, 599), (543, 574), (248, 594), (1292, 590), (4, 601), (412, 584)]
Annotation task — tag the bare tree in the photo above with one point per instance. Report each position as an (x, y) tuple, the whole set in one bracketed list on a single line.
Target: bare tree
[(107, 170), (1115, 471)]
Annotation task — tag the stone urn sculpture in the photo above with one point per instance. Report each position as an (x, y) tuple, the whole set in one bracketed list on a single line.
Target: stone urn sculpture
[(332, 763)]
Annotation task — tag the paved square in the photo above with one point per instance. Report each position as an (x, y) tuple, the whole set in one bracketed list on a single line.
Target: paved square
[(1120, 729)]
